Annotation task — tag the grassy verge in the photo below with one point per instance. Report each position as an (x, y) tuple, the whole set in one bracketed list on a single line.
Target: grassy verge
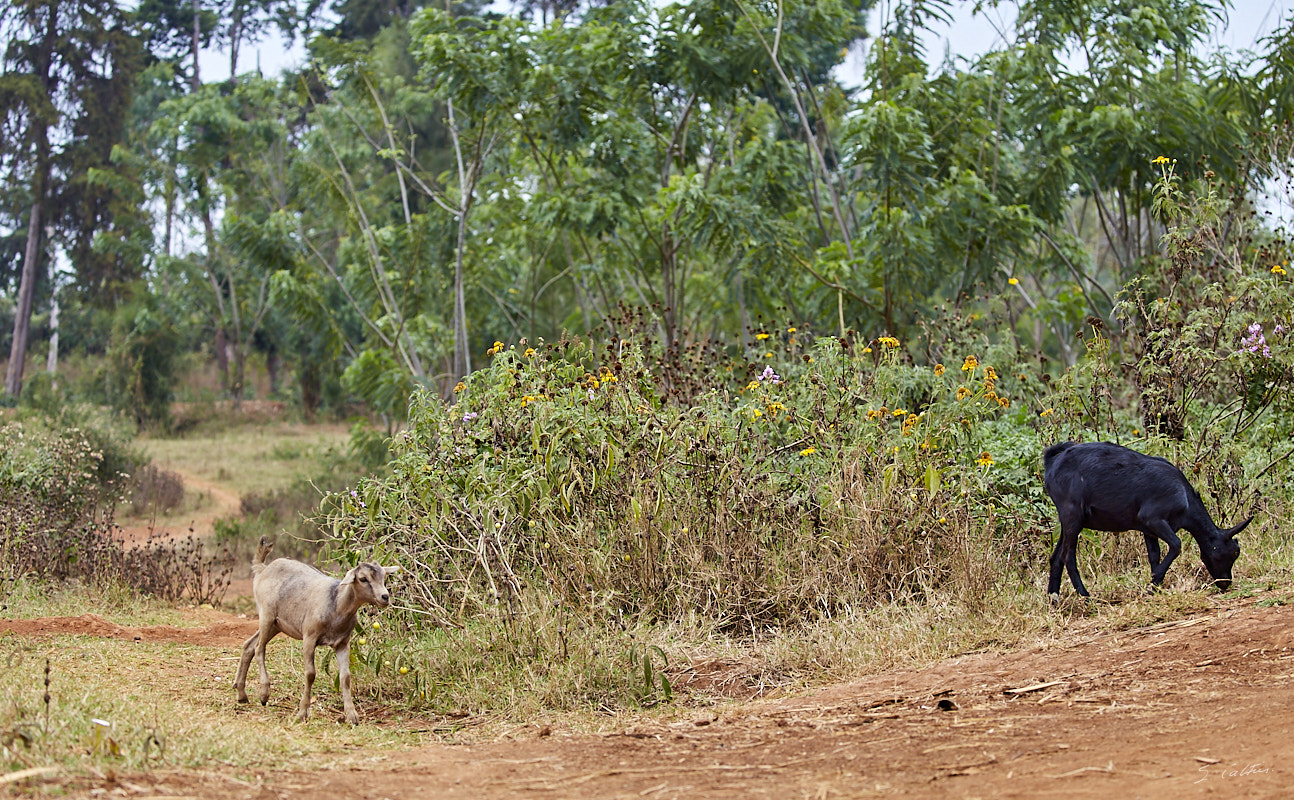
[(172, 705)]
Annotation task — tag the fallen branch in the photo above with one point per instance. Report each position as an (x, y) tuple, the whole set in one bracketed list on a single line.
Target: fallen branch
[(24, 774), (1108, 768), (1033, 687)]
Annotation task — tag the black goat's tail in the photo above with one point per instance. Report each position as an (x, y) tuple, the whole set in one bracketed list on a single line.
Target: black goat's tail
[(1053, 451), (262, 552)]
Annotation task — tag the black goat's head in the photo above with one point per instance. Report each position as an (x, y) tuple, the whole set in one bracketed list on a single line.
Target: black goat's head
[(1219, 553)]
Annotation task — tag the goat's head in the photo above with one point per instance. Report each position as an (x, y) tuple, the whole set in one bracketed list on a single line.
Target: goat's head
[(369, 582), (1219, 553)]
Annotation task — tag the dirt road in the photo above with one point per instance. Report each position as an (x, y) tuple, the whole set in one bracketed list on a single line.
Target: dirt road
[(1193, 708)]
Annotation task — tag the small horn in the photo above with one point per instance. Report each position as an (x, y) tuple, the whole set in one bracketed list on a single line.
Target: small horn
[(1230, 534)]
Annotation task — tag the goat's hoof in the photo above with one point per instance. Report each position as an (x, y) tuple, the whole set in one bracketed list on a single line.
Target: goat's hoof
[(353, 719), (1054, 598), (243, 699), (302, 717)]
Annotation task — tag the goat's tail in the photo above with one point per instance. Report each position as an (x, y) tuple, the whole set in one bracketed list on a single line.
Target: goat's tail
[(1053, 451), (262, 552)]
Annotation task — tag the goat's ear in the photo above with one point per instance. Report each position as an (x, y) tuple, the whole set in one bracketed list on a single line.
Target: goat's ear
[(390, 570), (349, 578)]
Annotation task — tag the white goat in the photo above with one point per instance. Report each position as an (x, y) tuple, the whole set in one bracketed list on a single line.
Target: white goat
[(304, 603)]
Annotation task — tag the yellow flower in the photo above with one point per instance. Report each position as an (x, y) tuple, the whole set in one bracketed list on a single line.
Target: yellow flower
[(755, 413), (1046, 412), (498, 346), (898, 412), (888, 341), (873, 414), (970, 364), (775, 407), (984, 460), (761, 336), (459, 387), (808, 451), (962, 392), (377, 625), (1004, 402), (626, 558), (790, 330), (1159, 160), (361, 641), (990, 374), (768, 355), (752, 386), (1013, 281), (404, 670), (867, 349), (939, 369), (530, 352), (990, 394), (1278, 270)]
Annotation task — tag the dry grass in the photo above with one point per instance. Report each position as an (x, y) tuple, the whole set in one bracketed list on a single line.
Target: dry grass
[(250, 458), (165, 705)]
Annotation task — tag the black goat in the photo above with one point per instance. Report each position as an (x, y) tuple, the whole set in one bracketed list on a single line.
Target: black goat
[(1105, 487)]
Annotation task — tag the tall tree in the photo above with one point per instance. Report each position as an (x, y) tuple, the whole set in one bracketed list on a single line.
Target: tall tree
[(56, 51)]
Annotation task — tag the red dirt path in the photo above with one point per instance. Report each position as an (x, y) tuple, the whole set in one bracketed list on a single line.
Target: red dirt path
[(1186, 709)]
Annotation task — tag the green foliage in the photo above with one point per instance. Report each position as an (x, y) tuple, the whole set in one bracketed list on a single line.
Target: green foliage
[(767, 500), (142, 363)]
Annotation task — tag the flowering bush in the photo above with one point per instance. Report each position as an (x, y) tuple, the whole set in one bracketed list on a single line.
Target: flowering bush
[(792, 492)]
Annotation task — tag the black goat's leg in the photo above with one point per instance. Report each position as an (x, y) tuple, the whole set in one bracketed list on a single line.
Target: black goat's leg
[(1169, 537)]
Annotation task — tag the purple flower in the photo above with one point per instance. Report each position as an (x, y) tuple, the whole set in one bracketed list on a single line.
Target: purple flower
[(1255, 342), (769, 375), (469, 416)]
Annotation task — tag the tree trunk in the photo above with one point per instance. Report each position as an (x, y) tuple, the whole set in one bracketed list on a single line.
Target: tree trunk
[(22, 315), (194, 80), (222, 359), (51, 361), (272, 365)]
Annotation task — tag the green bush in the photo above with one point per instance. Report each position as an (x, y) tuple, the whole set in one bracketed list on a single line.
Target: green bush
[(769, 499)]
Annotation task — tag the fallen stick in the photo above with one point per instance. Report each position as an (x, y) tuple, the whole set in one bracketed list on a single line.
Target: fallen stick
[(1106, 769), (24, 774), (1033, 688)]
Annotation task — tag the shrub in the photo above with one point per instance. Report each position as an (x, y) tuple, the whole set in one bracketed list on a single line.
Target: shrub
[(58, 490), (154, 489), (768, 499)]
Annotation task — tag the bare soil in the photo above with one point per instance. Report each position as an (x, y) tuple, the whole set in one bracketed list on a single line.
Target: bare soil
[(1192, 708)]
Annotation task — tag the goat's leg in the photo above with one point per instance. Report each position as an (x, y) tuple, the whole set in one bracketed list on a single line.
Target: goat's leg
[(308, 655), (343, 674), (1152, 549), (249, 651), (1065, 556), (268, 631), (1166, 534), (1071, 566)]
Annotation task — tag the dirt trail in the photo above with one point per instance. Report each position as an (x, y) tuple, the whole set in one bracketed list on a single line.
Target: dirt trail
[(224, 503), (1192, 708)]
